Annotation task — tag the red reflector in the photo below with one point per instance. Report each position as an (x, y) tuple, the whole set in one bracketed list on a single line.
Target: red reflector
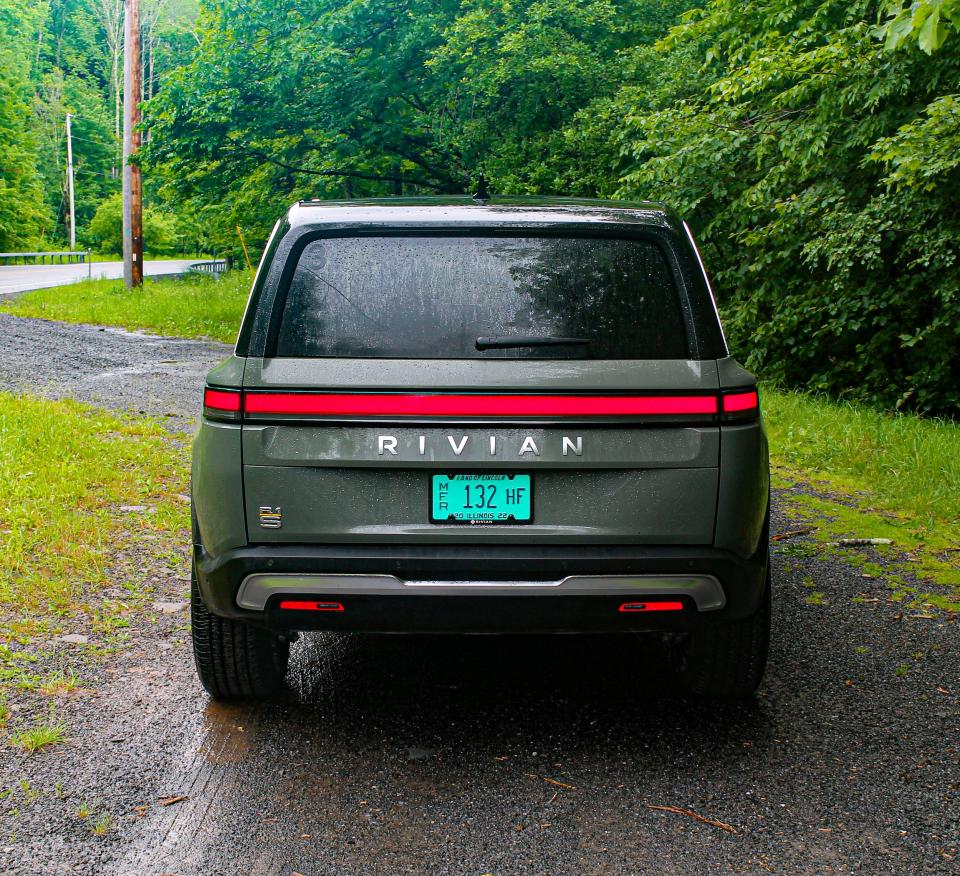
[(343, 404), (741, 401), (300, 605), (221, 400), (652, 606)]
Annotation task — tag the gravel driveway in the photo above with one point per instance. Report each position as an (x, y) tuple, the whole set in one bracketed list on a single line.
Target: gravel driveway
[(472, 755), (109, 367)]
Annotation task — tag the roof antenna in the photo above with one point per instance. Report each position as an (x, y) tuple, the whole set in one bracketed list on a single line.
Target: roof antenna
[(482, 193)]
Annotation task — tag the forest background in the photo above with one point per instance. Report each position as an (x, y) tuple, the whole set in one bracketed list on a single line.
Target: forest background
[(814, 146)]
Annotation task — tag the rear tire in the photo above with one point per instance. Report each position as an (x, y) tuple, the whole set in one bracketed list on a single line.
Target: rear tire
[(726, 661), (235, 661)]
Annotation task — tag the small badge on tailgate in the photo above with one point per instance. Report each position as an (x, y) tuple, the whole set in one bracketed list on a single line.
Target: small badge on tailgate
[(270, 517)]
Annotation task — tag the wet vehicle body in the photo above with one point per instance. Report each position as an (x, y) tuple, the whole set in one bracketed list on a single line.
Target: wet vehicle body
[(462, 417)]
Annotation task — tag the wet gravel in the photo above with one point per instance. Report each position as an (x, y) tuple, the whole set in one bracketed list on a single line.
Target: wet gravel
[(474, 755), (113, 368)]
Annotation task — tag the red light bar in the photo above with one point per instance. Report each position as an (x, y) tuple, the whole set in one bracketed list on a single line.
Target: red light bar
[(303, 605), (652, 606), (221, 399), (741, 401), (397, 404)]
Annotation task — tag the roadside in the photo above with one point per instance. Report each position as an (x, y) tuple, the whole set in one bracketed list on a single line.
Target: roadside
[(112, 368), (419, 754), (20, 278), (194, 306)]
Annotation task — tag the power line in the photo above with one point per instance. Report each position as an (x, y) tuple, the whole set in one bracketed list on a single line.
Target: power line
[(110, 143)]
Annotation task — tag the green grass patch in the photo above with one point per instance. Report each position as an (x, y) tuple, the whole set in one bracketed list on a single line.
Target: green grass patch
[(46, 732), (188, 307), (66, 472), (76, 484), (901, 463), (866, 474)]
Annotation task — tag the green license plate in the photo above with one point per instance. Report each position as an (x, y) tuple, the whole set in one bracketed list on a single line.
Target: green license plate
[(481, 498)]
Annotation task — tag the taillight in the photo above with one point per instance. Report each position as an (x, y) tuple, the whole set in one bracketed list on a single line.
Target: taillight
[(449, 405), (222, 404), (309, 605), (221, 399), (741, 405), (668, 605)]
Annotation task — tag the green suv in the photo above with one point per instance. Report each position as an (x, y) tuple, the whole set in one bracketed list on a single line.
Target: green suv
[(498, 416)]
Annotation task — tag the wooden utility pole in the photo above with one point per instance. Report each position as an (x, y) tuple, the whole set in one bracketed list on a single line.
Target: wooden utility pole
[(73, 215), (132, 187)]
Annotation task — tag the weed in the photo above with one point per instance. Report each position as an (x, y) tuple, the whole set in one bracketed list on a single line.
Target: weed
[(83, 810), (30, 794), (59, 682), (902, 669), (43, 734), (103, 824)]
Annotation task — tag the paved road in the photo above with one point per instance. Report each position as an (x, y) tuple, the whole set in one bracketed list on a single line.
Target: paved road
[(21, 278), (474, 755)]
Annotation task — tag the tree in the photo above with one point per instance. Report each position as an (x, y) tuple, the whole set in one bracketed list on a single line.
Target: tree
[(23, 217), (930, 22), (327, 98), (817, 165), (105, 231)]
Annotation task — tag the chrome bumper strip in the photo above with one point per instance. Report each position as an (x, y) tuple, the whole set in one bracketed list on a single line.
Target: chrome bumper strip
[(705, 590)]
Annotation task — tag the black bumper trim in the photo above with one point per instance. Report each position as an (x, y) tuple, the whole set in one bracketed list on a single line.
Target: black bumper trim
[(220, 578)]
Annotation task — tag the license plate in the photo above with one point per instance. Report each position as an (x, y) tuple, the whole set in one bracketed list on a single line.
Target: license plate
[(481, 498)]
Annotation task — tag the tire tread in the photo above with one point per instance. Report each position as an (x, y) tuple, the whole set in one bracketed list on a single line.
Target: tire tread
[(235, 661)]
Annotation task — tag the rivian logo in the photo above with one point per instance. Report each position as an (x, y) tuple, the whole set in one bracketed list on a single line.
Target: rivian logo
[(270, 517), (492, 445)]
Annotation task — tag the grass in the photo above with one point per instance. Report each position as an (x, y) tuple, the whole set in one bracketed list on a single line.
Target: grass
[(46, 732), (189, 307), (103, 825), (65, 471), (59, 682), (904, 463), (865, 474)]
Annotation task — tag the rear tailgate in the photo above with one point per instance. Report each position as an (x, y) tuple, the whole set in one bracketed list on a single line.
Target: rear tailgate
[(314, 474)]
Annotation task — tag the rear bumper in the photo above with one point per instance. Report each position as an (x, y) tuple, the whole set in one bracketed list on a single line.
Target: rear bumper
[(489, 589)]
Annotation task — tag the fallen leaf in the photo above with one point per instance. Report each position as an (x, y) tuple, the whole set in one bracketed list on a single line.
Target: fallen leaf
[(141, 810), (169, 801)]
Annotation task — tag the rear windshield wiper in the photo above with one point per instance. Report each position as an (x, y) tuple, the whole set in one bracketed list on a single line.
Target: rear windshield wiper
[(505, 342)]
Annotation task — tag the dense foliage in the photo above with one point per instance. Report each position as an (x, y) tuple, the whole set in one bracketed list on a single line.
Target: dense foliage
[(813, 144), (65, 56), (21, 200), (825, 172), (105, 231)]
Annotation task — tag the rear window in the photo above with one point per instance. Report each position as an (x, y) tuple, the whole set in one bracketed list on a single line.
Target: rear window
[(483, 298)]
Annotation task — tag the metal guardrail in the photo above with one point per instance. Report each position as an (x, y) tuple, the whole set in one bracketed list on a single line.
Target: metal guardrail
[(40, 258), (215, 267)]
